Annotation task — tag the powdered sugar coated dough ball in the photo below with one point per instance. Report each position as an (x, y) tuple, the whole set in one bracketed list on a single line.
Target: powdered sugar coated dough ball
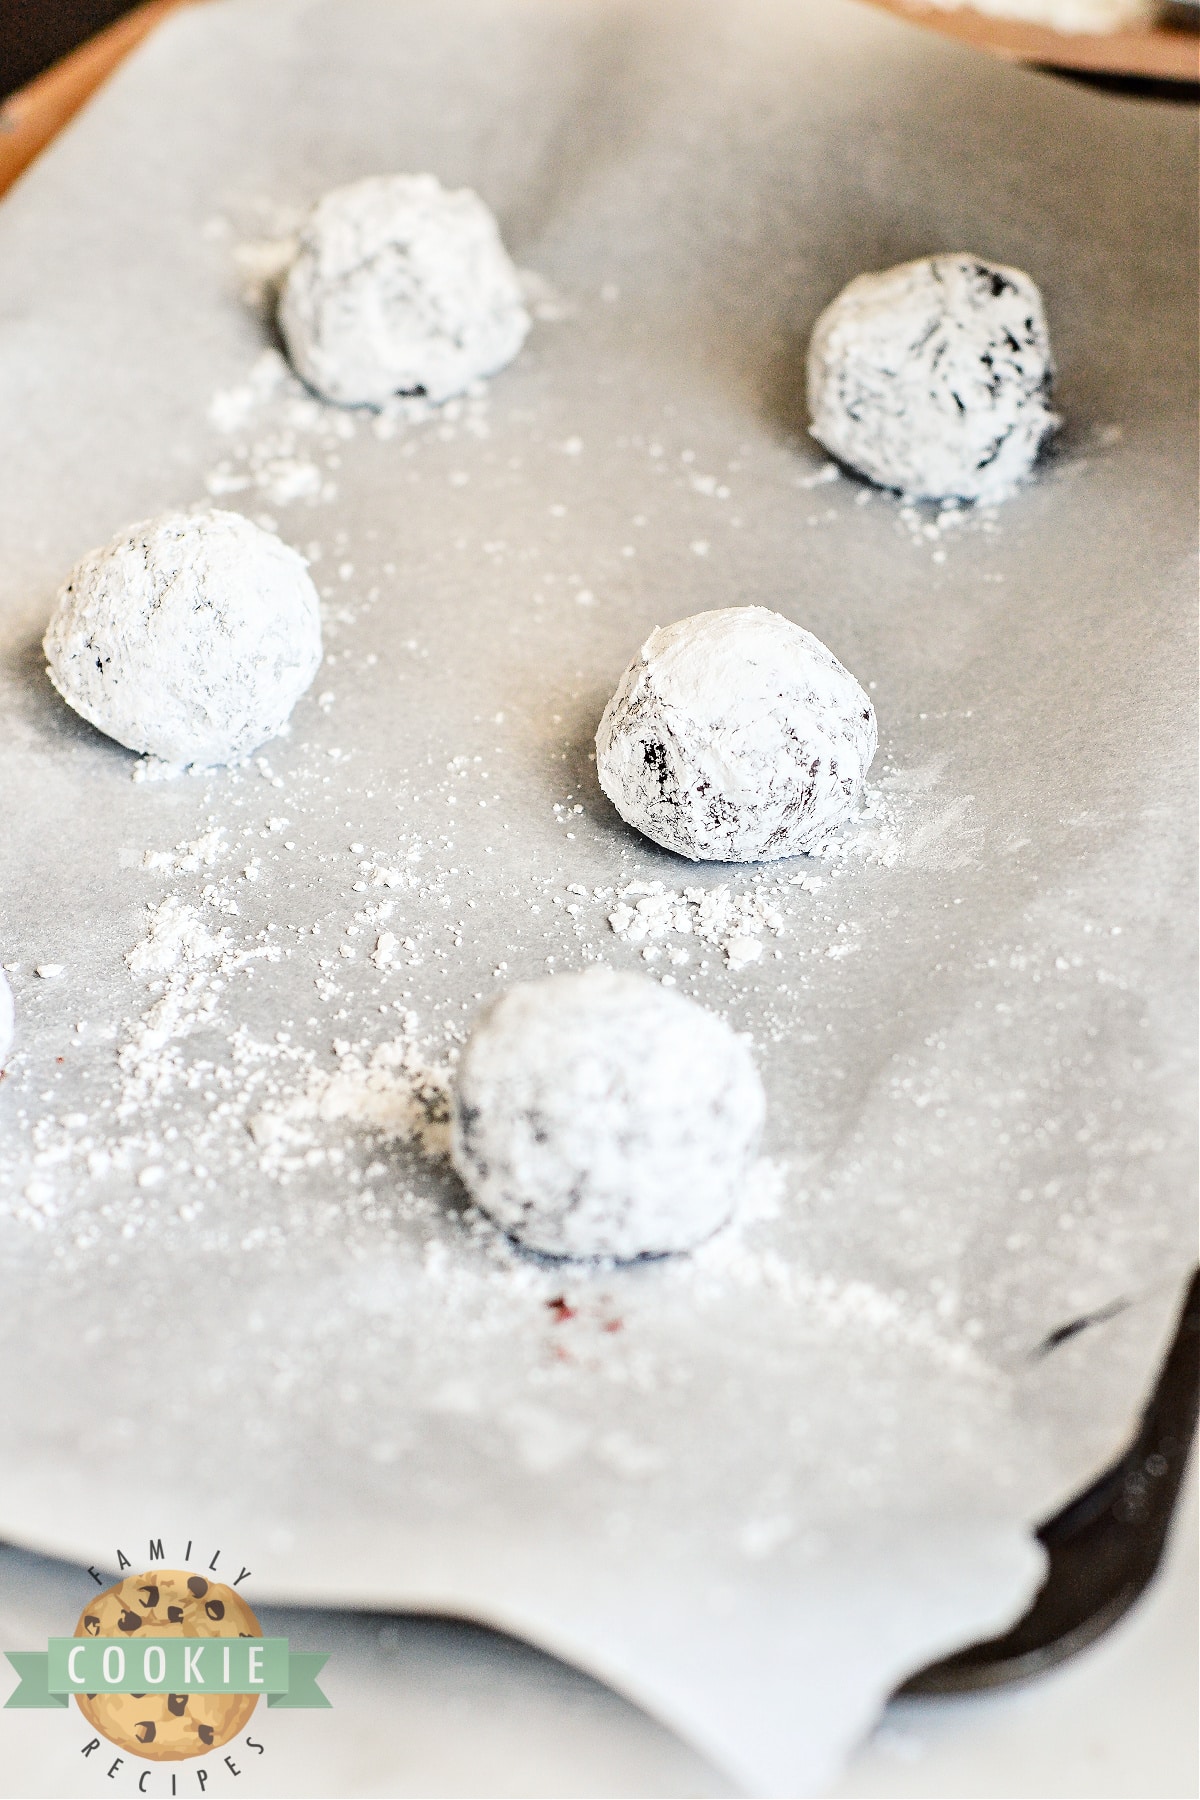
[(603, 1115), (934, 377), (735, 736), (6, 1017), (190, 636), (400, 286)]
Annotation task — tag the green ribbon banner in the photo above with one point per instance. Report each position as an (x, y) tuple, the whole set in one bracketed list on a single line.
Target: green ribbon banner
[(167, 1665)]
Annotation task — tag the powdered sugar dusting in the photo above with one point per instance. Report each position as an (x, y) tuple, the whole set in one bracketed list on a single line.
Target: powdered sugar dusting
[(733, 923), (311, 935), (388, 1091), (294, 458)]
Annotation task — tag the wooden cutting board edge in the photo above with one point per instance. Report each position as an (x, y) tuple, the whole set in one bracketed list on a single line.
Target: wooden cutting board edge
[(1153, 52), (35, 114)]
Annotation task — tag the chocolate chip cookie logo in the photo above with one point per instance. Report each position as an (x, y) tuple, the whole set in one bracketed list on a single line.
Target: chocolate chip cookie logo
[(167, 1665)]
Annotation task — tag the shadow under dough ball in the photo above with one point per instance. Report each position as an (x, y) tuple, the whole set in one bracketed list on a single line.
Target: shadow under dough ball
[(189, 637), (400, 286), (934, 378), (601, 1115), (735, 736)]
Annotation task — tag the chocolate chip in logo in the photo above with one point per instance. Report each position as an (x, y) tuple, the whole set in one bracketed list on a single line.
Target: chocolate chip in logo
[(175, 1614), (177, 1705), (129, 1621), (215, 1609), (92, 1625), (197, 1586), (206, 1733), (144, 1731), (149, 1598)]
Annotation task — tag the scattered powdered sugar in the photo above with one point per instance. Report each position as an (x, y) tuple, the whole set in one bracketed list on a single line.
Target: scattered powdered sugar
[(232, 409), (175, 939), (291, 1101), (186, 966), (931, 524), (739, 921), (270, 1101), (289, 445), (295, 443), (734, 923), (875, 832), (213, 1088), (294, 1101), (186, 858), (840, 1305), (389, 1090), (822, 477)]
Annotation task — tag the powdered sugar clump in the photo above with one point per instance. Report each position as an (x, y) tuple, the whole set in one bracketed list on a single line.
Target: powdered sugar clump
[(389, 1091), (292, 459), (185, 965), (733, 923)]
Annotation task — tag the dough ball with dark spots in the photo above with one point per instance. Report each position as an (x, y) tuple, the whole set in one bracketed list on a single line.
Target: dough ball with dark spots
[(189, 637), (934, 377), (602, 1115), (735, 736), (400, 286)]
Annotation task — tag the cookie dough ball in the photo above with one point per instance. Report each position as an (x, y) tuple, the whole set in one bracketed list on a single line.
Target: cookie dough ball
[(189, 637), (735, 736), (400, 287), (934, 378), (159, 1604), (603, 1115), (6, 1017)]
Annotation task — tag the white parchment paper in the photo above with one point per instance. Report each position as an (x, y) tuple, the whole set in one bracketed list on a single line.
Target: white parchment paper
[(243, 1299)]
